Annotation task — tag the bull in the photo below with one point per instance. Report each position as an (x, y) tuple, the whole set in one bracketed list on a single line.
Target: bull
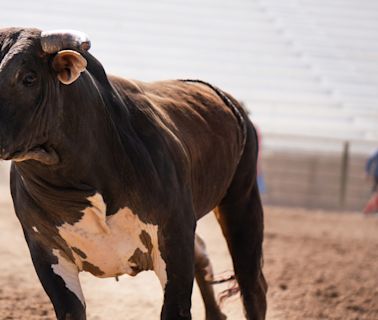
[(110, 175)]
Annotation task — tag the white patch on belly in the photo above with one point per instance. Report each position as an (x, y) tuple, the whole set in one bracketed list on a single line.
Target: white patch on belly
[(108, 242), (69, 273)]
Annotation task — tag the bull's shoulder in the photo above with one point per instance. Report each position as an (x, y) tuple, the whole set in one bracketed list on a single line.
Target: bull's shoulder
[(178, 89), (168, 92), (180, 102)]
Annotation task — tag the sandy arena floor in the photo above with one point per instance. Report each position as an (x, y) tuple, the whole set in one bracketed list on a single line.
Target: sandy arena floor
[(319, 265)]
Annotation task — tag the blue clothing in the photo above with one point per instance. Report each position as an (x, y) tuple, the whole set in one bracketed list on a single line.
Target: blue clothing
[(371, 169), (372, 165), (261, 183)]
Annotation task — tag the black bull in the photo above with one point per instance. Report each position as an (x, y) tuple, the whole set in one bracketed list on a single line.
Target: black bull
[(110, 175)]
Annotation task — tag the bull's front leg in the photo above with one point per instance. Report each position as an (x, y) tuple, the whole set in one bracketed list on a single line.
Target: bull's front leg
[(59, 278), (176, 239)]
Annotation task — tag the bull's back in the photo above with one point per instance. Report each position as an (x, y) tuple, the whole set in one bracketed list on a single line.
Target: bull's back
[(208, 130)]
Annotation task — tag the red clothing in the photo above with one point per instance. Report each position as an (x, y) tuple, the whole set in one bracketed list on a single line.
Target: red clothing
[(372, 205)]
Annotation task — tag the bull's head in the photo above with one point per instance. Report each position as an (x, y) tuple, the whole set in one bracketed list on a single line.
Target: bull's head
[(31, 62)]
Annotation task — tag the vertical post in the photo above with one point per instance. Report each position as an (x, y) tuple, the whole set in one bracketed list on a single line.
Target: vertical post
[(344, 174), (312, 174)]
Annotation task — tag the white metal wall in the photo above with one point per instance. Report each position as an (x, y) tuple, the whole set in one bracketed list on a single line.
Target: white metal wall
[(301, 66)]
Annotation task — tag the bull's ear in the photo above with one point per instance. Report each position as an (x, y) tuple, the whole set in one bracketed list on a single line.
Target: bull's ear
[(69, 64)]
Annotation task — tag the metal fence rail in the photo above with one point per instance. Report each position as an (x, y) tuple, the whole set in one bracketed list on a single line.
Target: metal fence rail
[(315, 172), (301, 171)]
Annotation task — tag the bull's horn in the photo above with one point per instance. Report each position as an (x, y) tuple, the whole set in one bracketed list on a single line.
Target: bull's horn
[(56, 40)]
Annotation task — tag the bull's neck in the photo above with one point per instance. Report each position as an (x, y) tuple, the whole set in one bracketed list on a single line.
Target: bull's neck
[(95, 152)]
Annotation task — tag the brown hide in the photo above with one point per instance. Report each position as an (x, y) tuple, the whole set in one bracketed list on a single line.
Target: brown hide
[(206, 127)]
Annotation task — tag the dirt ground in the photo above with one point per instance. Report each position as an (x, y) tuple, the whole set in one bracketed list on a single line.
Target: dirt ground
[(319, 265)]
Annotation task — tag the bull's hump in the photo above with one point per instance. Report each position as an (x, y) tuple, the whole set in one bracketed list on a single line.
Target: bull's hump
[(109, 246)]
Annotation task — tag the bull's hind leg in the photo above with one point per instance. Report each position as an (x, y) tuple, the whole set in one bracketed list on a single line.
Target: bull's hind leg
[(204, 276), (242, 229), (240, 215)]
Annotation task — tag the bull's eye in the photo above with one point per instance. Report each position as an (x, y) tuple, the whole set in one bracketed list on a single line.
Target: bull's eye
[(29, 79)]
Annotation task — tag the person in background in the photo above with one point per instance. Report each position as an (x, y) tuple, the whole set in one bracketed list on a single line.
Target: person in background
[(371, 169)]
